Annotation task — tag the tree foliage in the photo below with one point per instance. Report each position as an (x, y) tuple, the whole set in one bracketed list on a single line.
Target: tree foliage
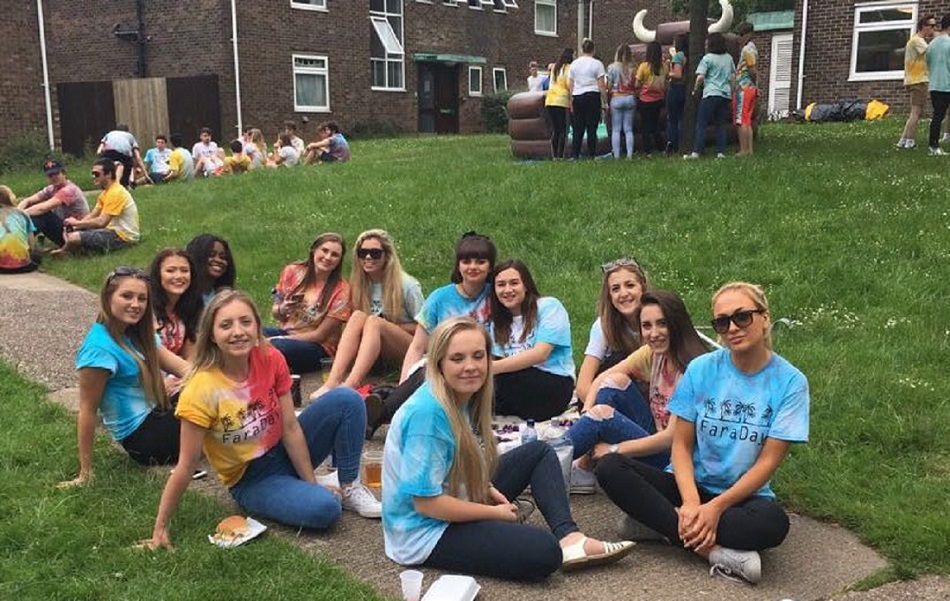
[(741, 8)]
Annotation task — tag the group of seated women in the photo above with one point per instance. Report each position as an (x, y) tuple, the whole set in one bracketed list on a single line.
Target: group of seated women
[(682, 438)]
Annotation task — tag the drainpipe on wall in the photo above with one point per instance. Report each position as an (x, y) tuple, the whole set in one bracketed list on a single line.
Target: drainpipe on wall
[(801, 55), (580, 25), (49, 102), (142, 41), (237, 67), (590, 21)]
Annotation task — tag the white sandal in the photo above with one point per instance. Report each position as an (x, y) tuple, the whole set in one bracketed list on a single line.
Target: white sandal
[(575, 558)]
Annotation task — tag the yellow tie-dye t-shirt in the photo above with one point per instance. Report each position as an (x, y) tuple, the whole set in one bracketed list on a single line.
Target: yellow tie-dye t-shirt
[(242, 418), (915, 61)]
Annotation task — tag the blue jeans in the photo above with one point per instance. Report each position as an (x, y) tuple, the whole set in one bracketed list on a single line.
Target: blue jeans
[(632, 420), (621, 122), (302, 357), (505, 549), (715, 109), (270, 486), (675, 105)]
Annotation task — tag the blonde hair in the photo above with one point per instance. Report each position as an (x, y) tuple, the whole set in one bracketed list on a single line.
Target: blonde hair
[(207, 354), (7, 197), (361, 287), (755, 294), (475, 459)]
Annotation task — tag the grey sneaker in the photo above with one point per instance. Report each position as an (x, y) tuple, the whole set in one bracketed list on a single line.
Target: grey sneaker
[(935, 151), (720, 155), (358, 498), (691, 156), (735, 565), (583, 482), (910, 144), (630, 529)]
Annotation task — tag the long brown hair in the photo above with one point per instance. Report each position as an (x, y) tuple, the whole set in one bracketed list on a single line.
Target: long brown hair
[(394, 304), (501, 316), (310, 277), (685, 343), (144, 350), (617, 330), (474, 462)]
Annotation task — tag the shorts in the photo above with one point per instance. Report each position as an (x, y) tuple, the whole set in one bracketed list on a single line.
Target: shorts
[(743, 105), (102, 240), (918, 95)]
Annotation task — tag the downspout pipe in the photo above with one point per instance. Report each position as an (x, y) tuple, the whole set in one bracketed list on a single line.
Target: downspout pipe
[(49, 101), (580, 25), (142, 40), (237, 67), (801, 55), (590, 21)]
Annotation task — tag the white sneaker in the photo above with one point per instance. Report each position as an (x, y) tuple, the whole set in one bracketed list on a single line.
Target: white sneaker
[(583, 482), (691, 156), (720, 155), (910, 144), (630, 529), (946, 137), (329, 479), (902, 143), (935, 151), (735, 565), (358, 498)]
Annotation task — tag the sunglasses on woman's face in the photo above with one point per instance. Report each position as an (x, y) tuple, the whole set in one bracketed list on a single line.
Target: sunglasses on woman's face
[(370, 253), (742, 319), (127, 272)]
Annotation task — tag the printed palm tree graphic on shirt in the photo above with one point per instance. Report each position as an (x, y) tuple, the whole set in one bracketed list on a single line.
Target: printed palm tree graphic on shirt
[(736, 411)]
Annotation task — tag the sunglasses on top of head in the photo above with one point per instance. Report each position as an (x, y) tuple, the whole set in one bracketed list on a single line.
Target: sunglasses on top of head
[(128, 272), (741, 318), (370, 253)]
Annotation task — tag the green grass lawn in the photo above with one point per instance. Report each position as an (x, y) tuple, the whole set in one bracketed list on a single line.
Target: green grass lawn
[(849, 236)]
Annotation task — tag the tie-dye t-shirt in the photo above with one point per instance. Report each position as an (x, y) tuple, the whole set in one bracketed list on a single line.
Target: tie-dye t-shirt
[(552, 327), (15, 231), (735, 412), (646, 366), (446, 303), (411, 296), (307, 315), (242, 418)]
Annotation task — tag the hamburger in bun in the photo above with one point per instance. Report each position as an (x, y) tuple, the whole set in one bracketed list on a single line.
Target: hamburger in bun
[(231, 528)]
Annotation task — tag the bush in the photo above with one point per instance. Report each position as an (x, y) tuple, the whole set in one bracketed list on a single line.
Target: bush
[(495, 112), (25, 151)]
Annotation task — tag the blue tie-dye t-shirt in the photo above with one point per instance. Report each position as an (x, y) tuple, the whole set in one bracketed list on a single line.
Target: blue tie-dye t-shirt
[(734, 412), (446, 303), (553, 327)]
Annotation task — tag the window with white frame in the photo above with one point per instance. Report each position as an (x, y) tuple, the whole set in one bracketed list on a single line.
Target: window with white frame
[(545, 17), (500, 78), (881, 30), (309, 4), (510, 3), (387, 57), (311, 84), (474, 81)]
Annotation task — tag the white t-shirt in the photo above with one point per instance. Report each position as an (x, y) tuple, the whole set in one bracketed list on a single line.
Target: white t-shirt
[(585, 72), (289, 156)]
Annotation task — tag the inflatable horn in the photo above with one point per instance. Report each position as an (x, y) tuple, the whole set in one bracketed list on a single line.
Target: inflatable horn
[(649, 35)]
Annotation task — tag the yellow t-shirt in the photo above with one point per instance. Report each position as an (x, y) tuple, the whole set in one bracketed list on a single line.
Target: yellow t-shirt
[(238, 163), (558, 92), (116, 202), (915, 61)]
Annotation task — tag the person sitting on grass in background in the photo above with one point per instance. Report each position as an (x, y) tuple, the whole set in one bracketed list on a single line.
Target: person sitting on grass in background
[(255, 147), (17, 253), (112, 224), (312, 304), (290, 128), (54, 203), (738, 410), (616, 417), (236, 405), (238, 162), (284, 155), (214, 264), (208, 157), (447, 495), (615, 333), (181, 165), (156, 160), (330, 147), (386, 300), (120, 367), (531, 346)]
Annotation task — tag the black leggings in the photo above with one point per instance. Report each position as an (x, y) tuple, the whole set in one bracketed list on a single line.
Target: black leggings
[(651, 497), (558, 116), (940, 102), (650, 119), (532, 394), (586, 118), (156, 441)]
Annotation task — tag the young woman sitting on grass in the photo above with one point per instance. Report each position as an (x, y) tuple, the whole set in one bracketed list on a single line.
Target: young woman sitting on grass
[(214, 265), (615, 333), (385, 302), (738, 410), (446, 493), (467, 295), (120, 364), (312, 304), (531, 343), (176, 300), (616, 418), (236, 405)]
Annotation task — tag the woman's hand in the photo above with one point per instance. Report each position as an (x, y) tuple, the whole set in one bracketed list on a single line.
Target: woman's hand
[(700, 533), (496, 497), (600, 450), (82, 479), (507, 512), (159, 540)]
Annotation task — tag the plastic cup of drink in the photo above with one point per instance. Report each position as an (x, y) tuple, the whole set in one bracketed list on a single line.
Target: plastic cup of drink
[(373, 469), (325, 365), (411, 584), (295, 389)]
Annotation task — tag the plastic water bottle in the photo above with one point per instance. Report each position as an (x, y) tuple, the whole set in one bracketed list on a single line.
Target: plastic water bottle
[(564, 448), (529, 434)]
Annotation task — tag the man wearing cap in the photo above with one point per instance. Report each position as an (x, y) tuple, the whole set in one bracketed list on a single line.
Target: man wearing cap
[(54, 203), (112, 224)]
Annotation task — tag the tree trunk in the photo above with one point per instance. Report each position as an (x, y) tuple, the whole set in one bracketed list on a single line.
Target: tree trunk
[(698, 23)]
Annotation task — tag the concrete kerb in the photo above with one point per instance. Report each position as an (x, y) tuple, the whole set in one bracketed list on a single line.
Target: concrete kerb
[(43, 320)]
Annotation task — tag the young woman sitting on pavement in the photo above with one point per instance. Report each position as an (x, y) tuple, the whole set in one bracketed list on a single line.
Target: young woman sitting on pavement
[(616, 418), (214, 265), (531, 343), (446, 493), (17, 236), (738, 410), (236, 405), (615, 333), (312, 304), (385, 302), (120, 363), (467, 295)]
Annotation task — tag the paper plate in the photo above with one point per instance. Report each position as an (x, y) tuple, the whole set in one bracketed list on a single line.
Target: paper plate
[(254, 530), (453, 588)]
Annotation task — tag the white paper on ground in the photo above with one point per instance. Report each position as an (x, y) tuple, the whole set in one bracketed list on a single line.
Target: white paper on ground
[(452, 587), (254, 529)]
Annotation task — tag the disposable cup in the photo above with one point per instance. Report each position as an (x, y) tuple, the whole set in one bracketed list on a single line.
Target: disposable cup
[(325, 365), (373, 469), (411, 584)]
